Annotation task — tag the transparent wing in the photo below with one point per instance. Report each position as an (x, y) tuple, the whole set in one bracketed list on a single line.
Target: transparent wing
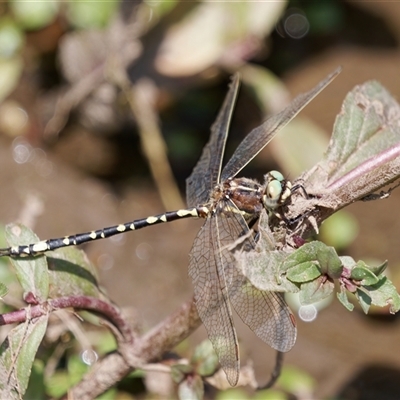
[(259, 137), (265, 313), (207, 171), (211, 296), (217, 282)]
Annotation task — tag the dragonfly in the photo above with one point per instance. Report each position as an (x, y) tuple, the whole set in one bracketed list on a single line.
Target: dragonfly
[(230, 207)]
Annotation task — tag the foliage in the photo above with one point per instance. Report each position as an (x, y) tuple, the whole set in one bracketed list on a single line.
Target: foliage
[(364, 142)]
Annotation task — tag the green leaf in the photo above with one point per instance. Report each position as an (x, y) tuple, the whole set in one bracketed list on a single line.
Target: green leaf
[(339, 230), (160, 8), (59, 383), (71, 273), (347, 262), (366, 126), (364, 299), (191, 389), (323, 256), (179, 371), (304, 272), (7, 277), (270, 394), (297, 381), (363, 274), (36, 387), (378, 269), (105, 343), (232, 394), (110, 394), (91, 14), (31, 272), (3, 290), (342, 296), (205, 359), (17, 354), (262, 265), (384, 293), (11, 38), (33, 14), (262, 270), (314, 291)]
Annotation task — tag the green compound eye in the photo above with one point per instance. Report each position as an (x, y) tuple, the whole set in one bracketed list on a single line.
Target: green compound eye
[(274, 190), (277, 190), (275, 175)]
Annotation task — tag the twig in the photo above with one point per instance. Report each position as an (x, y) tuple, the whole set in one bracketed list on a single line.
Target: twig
[(142, 97), (276, 371), (110, 370), (367, 178), (101, 307)]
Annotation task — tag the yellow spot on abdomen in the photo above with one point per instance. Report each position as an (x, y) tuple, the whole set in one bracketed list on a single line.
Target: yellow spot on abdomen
[(151, 220), (184, 213), (121, 228), (39, 247)]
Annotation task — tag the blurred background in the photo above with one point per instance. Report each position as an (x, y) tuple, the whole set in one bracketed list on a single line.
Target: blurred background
[(105, 108)]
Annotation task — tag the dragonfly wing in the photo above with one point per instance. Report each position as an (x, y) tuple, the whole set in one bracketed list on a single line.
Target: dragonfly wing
[(265, 313), (211, 297), (207, 171), (259, 137)]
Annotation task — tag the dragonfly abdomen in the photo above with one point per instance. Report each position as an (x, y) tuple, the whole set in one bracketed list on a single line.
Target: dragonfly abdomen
[(73, 240)]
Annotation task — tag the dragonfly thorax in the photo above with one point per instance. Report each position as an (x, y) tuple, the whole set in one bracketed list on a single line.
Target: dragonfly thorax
[(250, 197), (276, 190), (245, 193)]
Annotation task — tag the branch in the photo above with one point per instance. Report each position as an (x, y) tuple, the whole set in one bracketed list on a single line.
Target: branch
[(114, 367), (92, 304), (363, 156)]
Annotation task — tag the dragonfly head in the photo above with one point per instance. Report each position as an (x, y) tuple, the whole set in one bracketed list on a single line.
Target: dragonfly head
[(277, 190)]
